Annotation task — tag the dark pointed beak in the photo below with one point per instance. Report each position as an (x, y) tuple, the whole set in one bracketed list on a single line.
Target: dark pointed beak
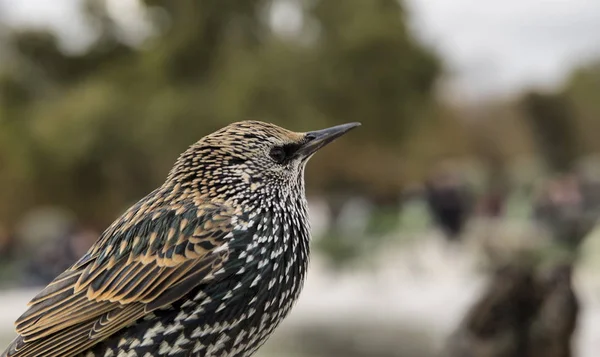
[(315, 140)]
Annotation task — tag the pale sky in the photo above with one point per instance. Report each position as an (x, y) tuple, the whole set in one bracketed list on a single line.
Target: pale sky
[(60, 15), (490, 47), (498, 47)]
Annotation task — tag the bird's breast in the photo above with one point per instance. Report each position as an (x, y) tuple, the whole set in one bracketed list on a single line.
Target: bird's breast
[(265, 273)]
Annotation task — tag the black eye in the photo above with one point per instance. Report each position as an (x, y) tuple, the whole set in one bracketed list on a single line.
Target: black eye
[(278, 154), (310, 137)]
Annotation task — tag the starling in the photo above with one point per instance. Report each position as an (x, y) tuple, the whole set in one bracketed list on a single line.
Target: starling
[(208, 264)]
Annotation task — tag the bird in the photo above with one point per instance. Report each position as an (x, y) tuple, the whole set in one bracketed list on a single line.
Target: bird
[(207, 264)]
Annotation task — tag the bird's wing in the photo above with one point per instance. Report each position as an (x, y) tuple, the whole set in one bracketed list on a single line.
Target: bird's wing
[(145, 260)]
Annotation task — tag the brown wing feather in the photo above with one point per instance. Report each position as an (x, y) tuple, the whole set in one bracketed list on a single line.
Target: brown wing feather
[(141, 263)]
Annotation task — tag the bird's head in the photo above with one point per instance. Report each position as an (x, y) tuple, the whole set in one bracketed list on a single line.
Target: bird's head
[(251, 156)]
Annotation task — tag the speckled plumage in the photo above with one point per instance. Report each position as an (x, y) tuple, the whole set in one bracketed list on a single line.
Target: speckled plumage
[(206, 265)]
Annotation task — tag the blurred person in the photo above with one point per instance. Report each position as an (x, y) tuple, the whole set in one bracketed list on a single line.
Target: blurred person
[(562, 207), (591, 195), (449, 202), (492, 204), (58, 255), (81, 240)]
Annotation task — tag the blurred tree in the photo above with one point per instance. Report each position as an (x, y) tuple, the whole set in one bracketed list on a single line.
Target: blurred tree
[(94, 130), (551, 119), (499, 138), (561, 203), (582, 90), (369, 68), (447, 135)]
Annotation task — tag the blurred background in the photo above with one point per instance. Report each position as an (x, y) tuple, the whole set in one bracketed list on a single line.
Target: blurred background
[(460, 220)]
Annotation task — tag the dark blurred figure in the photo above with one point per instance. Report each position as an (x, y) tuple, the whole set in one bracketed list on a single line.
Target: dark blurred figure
[(553, 328), (449, 202), (567, 210), (497, 324), (57, 256), (521, 314)]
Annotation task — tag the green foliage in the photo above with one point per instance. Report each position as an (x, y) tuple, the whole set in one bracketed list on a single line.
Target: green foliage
[(552, 122), (340, 249), (383, 221), (95, 130), (582, 90)]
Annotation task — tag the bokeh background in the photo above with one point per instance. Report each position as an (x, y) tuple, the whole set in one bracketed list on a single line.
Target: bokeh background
[(460, 219)]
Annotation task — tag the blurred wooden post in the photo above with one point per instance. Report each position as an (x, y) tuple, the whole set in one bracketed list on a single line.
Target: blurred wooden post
[(521, 314)]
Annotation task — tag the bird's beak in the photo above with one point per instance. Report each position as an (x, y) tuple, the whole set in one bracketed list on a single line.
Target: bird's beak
[(315, 140)]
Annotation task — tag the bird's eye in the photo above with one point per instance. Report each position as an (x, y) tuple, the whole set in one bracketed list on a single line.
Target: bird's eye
[(278, 154), (310, 137)]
